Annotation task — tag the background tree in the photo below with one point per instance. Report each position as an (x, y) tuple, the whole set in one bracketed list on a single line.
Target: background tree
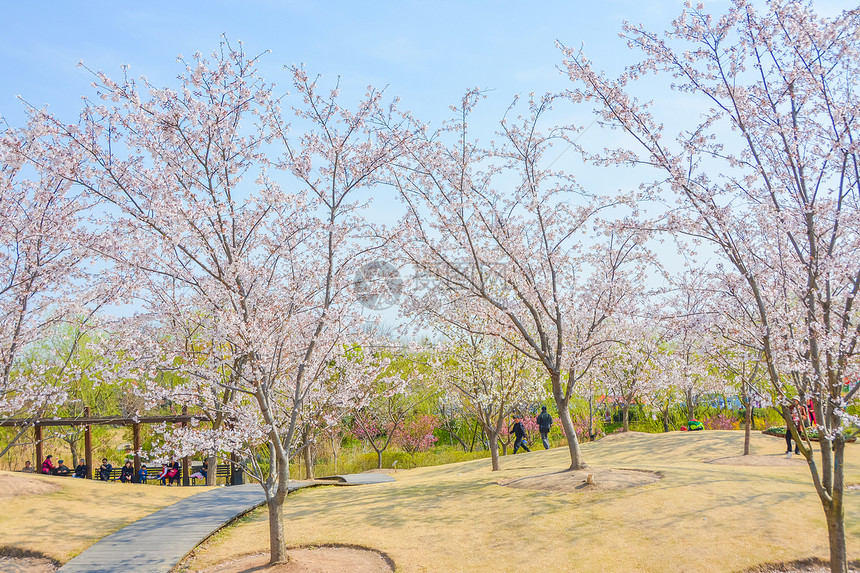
[(219, 254), (491, 379), (778, 94), (627, 366), (42, 251), (394, 398), (500, 234)]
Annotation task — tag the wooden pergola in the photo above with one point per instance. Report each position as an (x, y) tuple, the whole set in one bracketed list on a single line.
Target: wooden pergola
[(88, 422)]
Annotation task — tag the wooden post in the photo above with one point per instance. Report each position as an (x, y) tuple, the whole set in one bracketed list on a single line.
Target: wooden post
[(236, 475), (135, 440), (88, 445), (38, 438), (186, 464), (185, 460)]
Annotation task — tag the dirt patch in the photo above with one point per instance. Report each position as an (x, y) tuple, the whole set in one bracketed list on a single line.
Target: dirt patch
[(15, 560), (311, 560), (811, 565), (621, 435), (771, 460), (26, 565), (595, 479), (12, 485), (387, 471)]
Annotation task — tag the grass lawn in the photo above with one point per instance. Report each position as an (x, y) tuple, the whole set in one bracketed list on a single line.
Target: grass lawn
[(62, 523), (699, 517)]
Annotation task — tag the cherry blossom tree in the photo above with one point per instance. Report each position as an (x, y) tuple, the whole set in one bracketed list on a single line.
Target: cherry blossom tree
[(43, 251), (394, 398), (686, 322), (491, 379), (416, 434), (627, 367), (501, 234), (769, 177), (245, 288)]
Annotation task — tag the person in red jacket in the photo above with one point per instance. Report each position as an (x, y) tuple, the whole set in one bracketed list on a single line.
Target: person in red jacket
[(48, 465)]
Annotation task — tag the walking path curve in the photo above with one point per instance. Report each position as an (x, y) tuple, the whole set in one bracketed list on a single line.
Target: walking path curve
[(155, 543)]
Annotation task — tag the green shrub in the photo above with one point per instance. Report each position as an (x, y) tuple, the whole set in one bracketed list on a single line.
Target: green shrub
[(779, 431)]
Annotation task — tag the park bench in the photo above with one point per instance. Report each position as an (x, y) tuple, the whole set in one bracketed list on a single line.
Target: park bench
[(114, 473), (221, 471), (152, 473)]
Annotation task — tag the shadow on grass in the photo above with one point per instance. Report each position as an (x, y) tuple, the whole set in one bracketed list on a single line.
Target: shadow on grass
[(18, 553), (797, 564), (61, 524)]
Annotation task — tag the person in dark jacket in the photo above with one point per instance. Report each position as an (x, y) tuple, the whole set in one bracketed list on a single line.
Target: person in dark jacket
[(173, 472), (62, 469), (105, 469), (520, 435), (81, 469), (544, 422), (127, 473)]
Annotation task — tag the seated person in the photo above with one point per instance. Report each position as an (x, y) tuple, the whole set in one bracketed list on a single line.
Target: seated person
[(127, 473), (105, 470), (201, 473), (81, 469), (162, 477), (142, 475), (28, 467), (48, 465), (173, 472), (62, 469)]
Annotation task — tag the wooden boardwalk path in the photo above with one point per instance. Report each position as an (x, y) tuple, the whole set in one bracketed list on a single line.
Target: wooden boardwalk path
[(157, 542)]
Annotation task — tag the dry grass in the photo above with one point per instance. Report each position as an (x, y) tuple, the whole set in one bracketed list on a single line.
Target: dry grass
[(62, 523), (699, 517)]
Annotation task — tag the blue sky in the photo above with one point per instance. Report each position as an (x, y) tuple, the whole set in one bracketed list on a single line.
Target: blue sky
[(428, 53)]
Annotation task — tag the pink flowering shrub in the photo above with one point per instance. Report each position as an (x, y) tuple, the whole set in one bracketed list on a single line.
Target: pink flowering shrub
[(720, 422), (369, 429), (416, 434)]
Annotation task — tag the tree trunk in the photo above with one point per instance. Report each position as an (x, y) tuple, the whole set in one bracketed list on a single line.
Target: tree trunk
[(474, 437), (625, 410), (212, 471), (576, 461), (691, 407), (494, 449), (836, 534), (308, 455), (73, 448), (379, 459), (277, 537), (747, 427), (591, 418), (335, 449), (665, 413)]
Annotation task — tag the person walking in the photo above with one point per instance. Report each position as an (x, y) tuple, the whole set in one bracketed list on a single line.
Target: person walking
[(520, 435), (795, 413), (544, 422)]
